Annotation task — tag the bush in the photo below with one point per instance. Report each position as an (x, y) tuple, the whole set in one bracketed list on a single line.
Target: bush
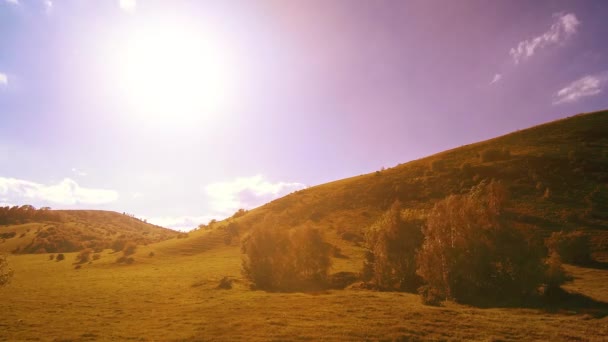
[(6, 273), (494, 154), (125, 260), (280, 259), (572, 247), (129, 249), (60, 257), (151, 254), (96, 256), (225, 283), (470, 253), (84, 256), (392, 243), (52, 257)]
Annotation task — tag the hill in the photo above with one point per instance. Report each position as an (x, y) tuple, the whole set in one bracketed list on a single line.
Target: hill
[(27, 230), (556, 174)]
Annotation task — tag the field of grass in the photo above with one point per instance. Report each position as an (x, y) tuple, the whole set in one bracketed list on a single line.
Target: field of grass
[(167, 297)]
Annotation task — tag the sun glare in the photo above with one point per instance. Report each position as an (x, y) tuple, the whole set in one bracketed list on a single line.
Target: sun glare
[(171, 73)]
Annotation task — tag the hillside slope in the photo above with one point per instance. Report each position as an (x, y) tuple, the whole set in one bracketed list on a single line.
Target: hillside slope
[(50, 231), (556, 174)]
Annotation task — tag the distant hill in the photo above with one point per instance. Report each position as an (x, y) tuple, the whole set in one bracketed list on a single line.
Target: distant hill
[(556, 174), (27, 230)]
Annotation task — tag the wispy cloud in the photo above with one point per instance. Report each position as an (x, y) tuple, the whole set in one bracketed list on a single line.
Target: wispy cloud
[(589, 85), (78, 172), (12, 2), (66, 192), (3, 79), (246, 192), (496, 78), (48, 6), (128, 5), (564, 27)]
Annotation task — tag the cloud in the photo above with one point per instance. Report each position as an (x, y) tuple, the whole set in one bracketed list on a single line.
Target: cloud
[(563, 28), (48, 6), (589, 85), (78, 172), (127, 5), (12, 2), (497, 77), (183, 223), (246, 193), (3, 79), (66, 192)]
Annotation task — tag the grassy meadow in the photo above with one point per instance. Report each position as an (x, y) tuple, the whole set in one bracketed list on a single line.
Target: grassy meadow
[(166, 297)]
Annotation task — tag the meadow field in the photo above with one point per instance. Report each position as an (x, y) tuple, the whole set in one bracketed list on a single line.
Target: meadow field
[(176, 298)]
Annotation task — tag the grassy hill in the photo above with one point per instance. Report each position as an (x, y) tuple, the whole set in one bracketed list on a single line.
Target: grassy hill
[(73, 230), (556, 174)]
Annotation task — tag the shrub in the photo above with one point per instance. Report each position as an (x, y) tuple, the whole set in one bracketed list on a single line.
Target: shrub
[(125, 260), (129, 249), (572, 247), (470, 253), (6, 273), (96, 256), (52, 257), (151, 254), (494, 154), (225, 283), (84, 256), (60, 257), (280, 259), (393, 242)]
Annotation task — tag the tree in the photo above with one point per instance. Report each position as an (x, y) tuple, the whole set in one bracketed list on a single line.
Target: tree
[(393, 242), (282, 259), (6, 273), (471, 253)]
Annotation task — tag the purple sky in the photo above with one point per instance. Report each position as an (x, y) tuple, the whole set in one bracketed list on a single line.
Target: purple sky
[(182, 111)]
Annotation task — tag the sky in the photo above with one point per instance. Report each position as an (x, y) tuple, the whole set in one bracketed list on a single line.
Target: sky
[(184, 111)]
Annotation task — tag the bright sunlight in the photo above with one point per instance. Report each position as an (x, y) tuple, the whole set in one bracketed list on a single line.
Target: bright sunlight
[(174, 73)]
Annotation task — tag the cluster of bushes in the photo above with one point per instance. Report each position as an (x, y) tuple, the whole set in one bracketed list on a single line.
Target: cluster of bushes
[(466, 251), (286, 259), (128, 249), (26, 213), (571, 247)]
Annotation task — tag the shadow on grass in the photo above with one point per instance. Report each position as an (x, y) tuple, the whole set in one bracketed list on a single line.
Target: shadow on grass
[(553, 301)]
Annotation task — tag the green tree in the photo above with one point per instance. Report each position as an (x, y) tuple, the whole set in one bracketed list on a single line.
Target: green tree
[(393, 241)]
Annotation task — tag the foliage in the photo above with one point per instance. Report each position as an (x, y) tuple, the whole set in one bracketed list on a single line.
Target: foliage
[(571, 247), (60, 257), (280, 259), (494, 154), (392, 243), (84, 255), (471, 253), (6, 273)]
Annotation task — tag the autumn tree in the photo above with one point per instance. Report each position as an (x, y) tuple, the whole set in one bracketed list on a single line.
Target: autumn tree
[(471, 253), (392, 242)]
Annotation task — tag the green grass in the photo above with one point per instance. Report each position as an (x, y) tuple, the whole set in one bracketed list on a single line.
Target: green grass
[(168, 297)]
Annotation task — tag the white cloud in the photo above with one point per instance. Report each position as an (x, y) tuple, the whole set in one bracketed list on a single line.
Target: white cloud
[(66, 192), (12, 2), (48, 5), (497, 77), (246, 193), (183, 223), (128, 5), (3, 79), (78, 172), (564, 26), (589, 85)]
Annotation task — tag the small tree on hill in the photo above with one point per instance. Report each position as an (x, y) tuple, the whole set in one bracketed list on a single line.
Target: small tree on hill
[(393, 242), (6, 273)]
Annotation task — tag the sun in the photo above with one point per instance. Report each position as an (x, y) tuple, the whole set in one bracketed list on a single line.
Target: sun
[(174, 73)]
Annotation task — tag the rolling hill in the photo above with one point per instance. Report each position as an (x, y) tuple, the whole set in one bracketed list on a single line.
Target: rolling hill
[(556, 175), (49, 231)]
